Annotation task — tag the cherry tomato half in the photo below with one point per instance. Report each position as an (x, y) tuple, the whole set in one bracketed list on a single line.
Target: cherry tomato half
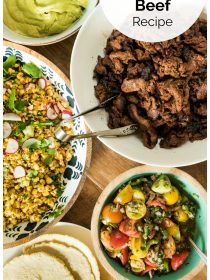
[(111, 214), (155, 203), (169, 247), (118, 240), (124, 256), (135, 210), (125, 195), (128, 227), (179, 259), (150, 264)]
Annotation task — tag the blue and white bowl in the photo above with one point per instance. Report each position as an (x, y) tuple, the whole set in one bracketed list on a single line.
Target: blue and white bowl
[(74, 174)]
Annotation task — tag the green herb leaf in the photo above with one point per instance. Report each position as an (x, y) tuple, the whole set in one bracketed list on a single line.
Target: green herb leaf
[(24, 157), (48, 160), (32, 173), (47, 123), (9, 62), (57, 212), (11, 102), (60, 191), (25, 196), (20, 105), (20, 128), (44, 143), (8, 77), (32, 70), (51, 152)]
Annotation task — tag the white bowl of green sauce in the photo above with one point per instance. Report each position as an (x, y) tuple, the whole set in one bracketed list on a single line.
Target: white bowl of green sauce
[(44, 22)]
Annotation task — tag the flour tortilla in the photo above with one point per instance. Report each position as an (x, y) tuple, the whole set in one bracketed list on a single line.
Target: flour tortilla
[(68, 242), (35, 267)]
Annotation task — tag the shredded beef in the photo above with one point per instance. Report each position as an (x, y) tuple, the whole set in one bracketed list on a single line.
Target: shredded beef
[(161, 86)]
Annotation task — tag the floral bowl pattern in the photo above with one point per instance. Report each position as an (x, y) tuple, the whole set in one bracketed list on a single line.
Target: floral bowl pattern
[(73, 176)]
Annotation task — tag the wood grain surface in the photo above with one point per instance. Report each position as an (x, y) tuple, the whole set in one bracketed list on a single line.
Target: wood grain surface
[(105, 164)]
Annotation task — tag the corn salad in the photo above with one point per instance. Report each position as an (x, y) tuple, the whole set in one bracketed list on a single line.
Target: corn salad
[(34, 160)]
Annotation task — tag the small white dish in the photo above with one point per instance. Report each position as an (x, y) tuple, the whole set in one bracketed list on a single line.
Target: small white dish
[(90, 43), (30, 41)]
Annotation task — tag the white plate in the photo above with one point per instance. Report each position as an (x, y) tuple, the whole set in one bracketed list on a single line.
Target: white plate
[(90, 43), (76, 231), (24, 40)]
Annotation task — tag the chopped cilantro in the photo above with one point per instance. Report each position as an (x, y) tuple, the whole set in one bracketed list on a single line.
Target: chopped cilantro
[(32, 173)]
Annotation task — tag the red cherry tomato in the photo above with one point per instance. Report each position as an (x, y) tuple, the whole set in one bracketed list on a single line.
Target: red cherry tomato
[(150, 264), (124, 256), (128, 227), (147, 269), (179, 259), (155, 203), (118, 240)]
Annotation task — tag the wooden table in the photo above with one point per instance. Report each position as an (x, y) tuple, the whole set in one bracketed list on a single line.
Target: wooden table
[(105, 164)]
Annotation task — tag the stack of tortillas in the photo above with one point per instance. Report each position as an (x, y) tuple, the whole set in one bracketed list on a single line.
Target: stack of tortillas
[(53, 257)]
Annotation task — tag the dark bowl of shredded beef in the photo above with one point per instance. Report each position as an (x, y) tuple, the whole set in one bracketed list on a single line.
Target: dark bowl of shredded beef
[(160, 86)]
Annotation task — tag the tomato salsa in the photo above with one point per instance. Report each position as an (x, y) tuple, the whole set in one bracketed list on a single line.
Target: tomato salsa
[(147, 224)]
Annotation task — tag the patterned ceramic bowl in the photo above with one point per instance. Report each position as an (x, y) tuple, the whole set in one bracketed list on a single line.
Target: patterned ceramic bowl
[(73, 176)]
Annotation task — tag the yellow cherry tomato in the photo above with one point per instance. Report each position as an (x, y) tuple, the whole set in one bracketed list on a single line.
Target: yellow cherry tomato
[(136, 244), (135, 210), (138, 195), (172, 228), (171, 197), (125, 195), (175, 232), (181, 216), (111, 214), (137, 265)]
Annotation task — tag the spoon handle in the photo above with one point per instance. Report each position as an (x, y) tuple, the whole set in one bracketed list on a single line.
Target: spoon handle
[(101, 105), (200, 253), (122, 131)]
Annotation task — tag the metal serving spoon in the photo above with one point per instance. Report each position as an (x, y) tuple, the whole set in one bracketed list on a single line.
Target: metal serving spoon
[(198, 251), (101, 105), (61, 135)]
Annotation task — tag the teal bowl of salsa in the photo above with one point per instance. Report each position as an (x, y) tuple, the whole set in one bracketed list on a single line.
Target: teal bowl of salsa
[(142, 223)]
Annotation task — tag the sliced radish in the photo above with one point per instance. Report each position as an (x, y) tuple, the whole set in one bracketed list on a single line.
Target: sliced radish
[(7, 129), (56, 109), (66, 114), (42, 83), (11, 117), (51, 114), (19, 172), (12, 146), (29, 142), (61, 107), (31, 107), (51, 146)]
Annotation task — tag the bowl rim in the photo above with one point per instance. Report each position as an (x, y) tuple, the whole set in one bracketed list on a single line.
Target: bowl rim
[(50, 40), (88, 152), (109, 188)]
